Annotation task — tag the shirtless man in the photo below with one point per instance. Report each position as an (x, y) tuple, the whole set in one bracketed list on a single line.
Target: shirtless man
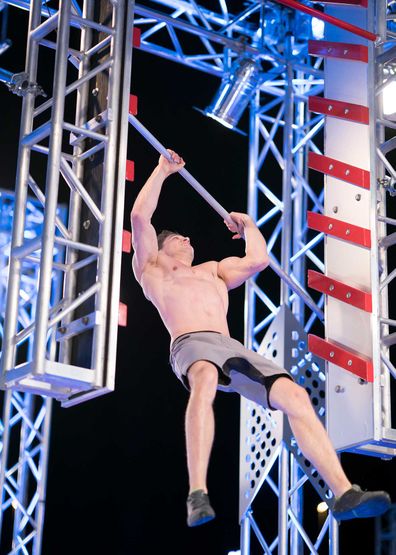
[(192, 302)]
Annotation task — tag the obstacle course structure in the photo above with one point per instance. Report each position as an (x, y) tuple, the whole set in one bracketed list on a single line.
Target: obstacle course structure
[(308, 84)]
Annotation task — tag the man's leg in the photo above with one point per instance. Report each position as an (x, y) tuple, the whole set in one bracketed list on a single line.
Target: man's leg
[(202, 377), (310, 435), (312, 438)]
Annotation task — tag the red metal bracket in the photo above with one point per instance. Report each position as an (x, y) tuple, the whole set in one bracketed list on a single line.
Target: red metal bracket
[(130, 170), (335, 168), (122, 314), (343, 50), (133, 104), (338, 228), (355, 363), (126, 241), (340, 291), (339, 109), (137, 33)]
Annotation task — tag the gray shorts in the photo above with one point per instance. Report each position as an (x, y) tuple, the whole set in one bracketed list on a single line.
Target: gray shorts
[(240, 370)]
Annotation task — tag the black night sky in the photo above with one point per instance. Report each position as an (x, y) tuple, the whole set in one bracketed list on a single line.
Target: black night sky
[(117, 480)]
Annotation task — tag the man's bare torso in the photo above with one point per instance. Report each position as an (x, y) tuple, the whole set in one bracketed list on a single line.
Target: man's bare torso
[(188, 298)]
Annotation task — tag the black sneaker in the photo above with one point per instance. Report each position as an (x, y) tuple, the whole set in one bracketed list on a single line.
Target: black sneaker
[(199, 510), (356, 503)]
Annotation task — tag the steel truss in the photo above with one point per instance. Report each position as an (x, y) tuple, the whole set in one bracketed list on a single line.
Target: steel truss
[(277, 325), (48, 295), (26, 417), (88, 54), (209, 41)]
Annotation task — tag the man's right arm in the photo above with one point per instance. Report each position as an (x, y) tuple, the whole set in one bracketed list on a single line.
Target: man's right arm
[(144, 238)]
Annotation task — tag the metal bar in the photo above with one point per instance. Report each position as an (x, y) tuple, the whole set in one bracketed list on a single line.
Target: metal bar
[(287, 213), (74, 183), (6, 76), (22, 178), (329, 19), (283, 501), (119, 202), (41, 198), (296, 287), (83, 22), (45, 28), (183, 172), (77, 84), (67, 309), (52, 186), (245, 536), (86, 132)]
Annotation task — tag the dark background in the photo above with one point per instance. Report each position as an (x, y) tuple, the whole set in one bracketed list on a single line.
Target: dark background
[(117, 479)]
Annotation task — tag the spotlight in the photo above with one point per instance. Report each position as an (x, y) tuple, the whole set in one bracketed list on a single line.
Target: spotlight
[(317, 26), (389, 98), (235, 91), (322, 507)]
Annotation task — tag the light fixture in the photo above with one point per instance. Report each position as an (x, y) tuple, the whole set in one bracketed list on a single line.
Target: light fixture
[(322, 507), (389, 98), (317, 26), (235, 91)]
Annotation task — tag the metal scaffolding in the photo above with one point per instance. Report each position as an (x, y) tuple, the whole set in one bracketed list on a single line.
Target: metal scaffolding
[(287, 128), (26, 418), (285, 134), (71, 306)]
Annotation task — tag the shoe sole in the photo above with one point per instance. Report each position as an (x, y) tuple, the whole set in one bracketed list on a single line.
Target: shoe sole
[(365, 510), (202, 520)]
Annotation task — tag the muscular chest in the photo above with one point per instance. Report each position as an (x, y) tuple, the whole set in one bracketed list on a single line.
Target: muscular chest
[(181, 275)]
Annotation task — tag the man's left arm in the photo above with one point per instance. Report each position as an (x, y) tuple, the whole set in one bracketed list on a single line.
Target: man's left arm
[(236, 270)]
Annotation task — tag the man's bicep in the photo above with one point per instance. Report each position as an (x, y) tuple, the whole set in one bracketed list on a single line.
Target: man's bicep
[(233, 271), (144, 242)]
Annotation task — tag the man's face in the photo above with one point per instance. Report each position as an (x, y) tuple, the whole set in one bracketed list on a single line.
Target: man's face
[(177, 244)]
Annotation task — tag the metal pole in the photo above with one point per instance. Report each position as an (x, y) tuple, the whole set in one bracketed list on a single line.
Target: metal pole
[(287, 171), (52, 186), (183, 172), (283, 500), (333, 536), (21, 191), (329, 19), (109, 173), (249, 309), (245, 535)]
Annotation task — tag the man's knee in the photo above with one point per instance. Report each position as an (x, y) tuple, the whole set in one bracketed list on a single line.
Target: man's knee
[(203, 378), (290, 398)]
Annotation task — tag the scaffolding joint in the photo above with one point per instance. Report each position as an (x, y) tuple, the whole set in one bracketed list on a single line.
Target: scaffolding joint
[(21, 85)]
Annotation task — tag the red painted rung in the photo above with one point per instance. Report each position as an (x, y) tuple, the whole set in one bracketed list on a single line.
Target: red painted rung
[(335, 168), (126, 241), (362, 3), (338, 109), (137, 33), (355, 363), (133, 104), (343, 50), (340, 291), (338, 228), (122, 314), (130, 170)]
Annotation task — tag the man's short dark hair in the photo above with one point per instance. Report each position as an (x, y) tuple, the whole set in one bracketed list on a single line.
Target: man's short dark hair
[(163, 235)]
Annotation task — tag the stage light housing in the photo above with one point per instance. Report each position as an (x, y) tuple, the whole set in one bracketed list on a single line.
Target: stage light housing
[(389, 98), (322, 507), (235, 92)]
